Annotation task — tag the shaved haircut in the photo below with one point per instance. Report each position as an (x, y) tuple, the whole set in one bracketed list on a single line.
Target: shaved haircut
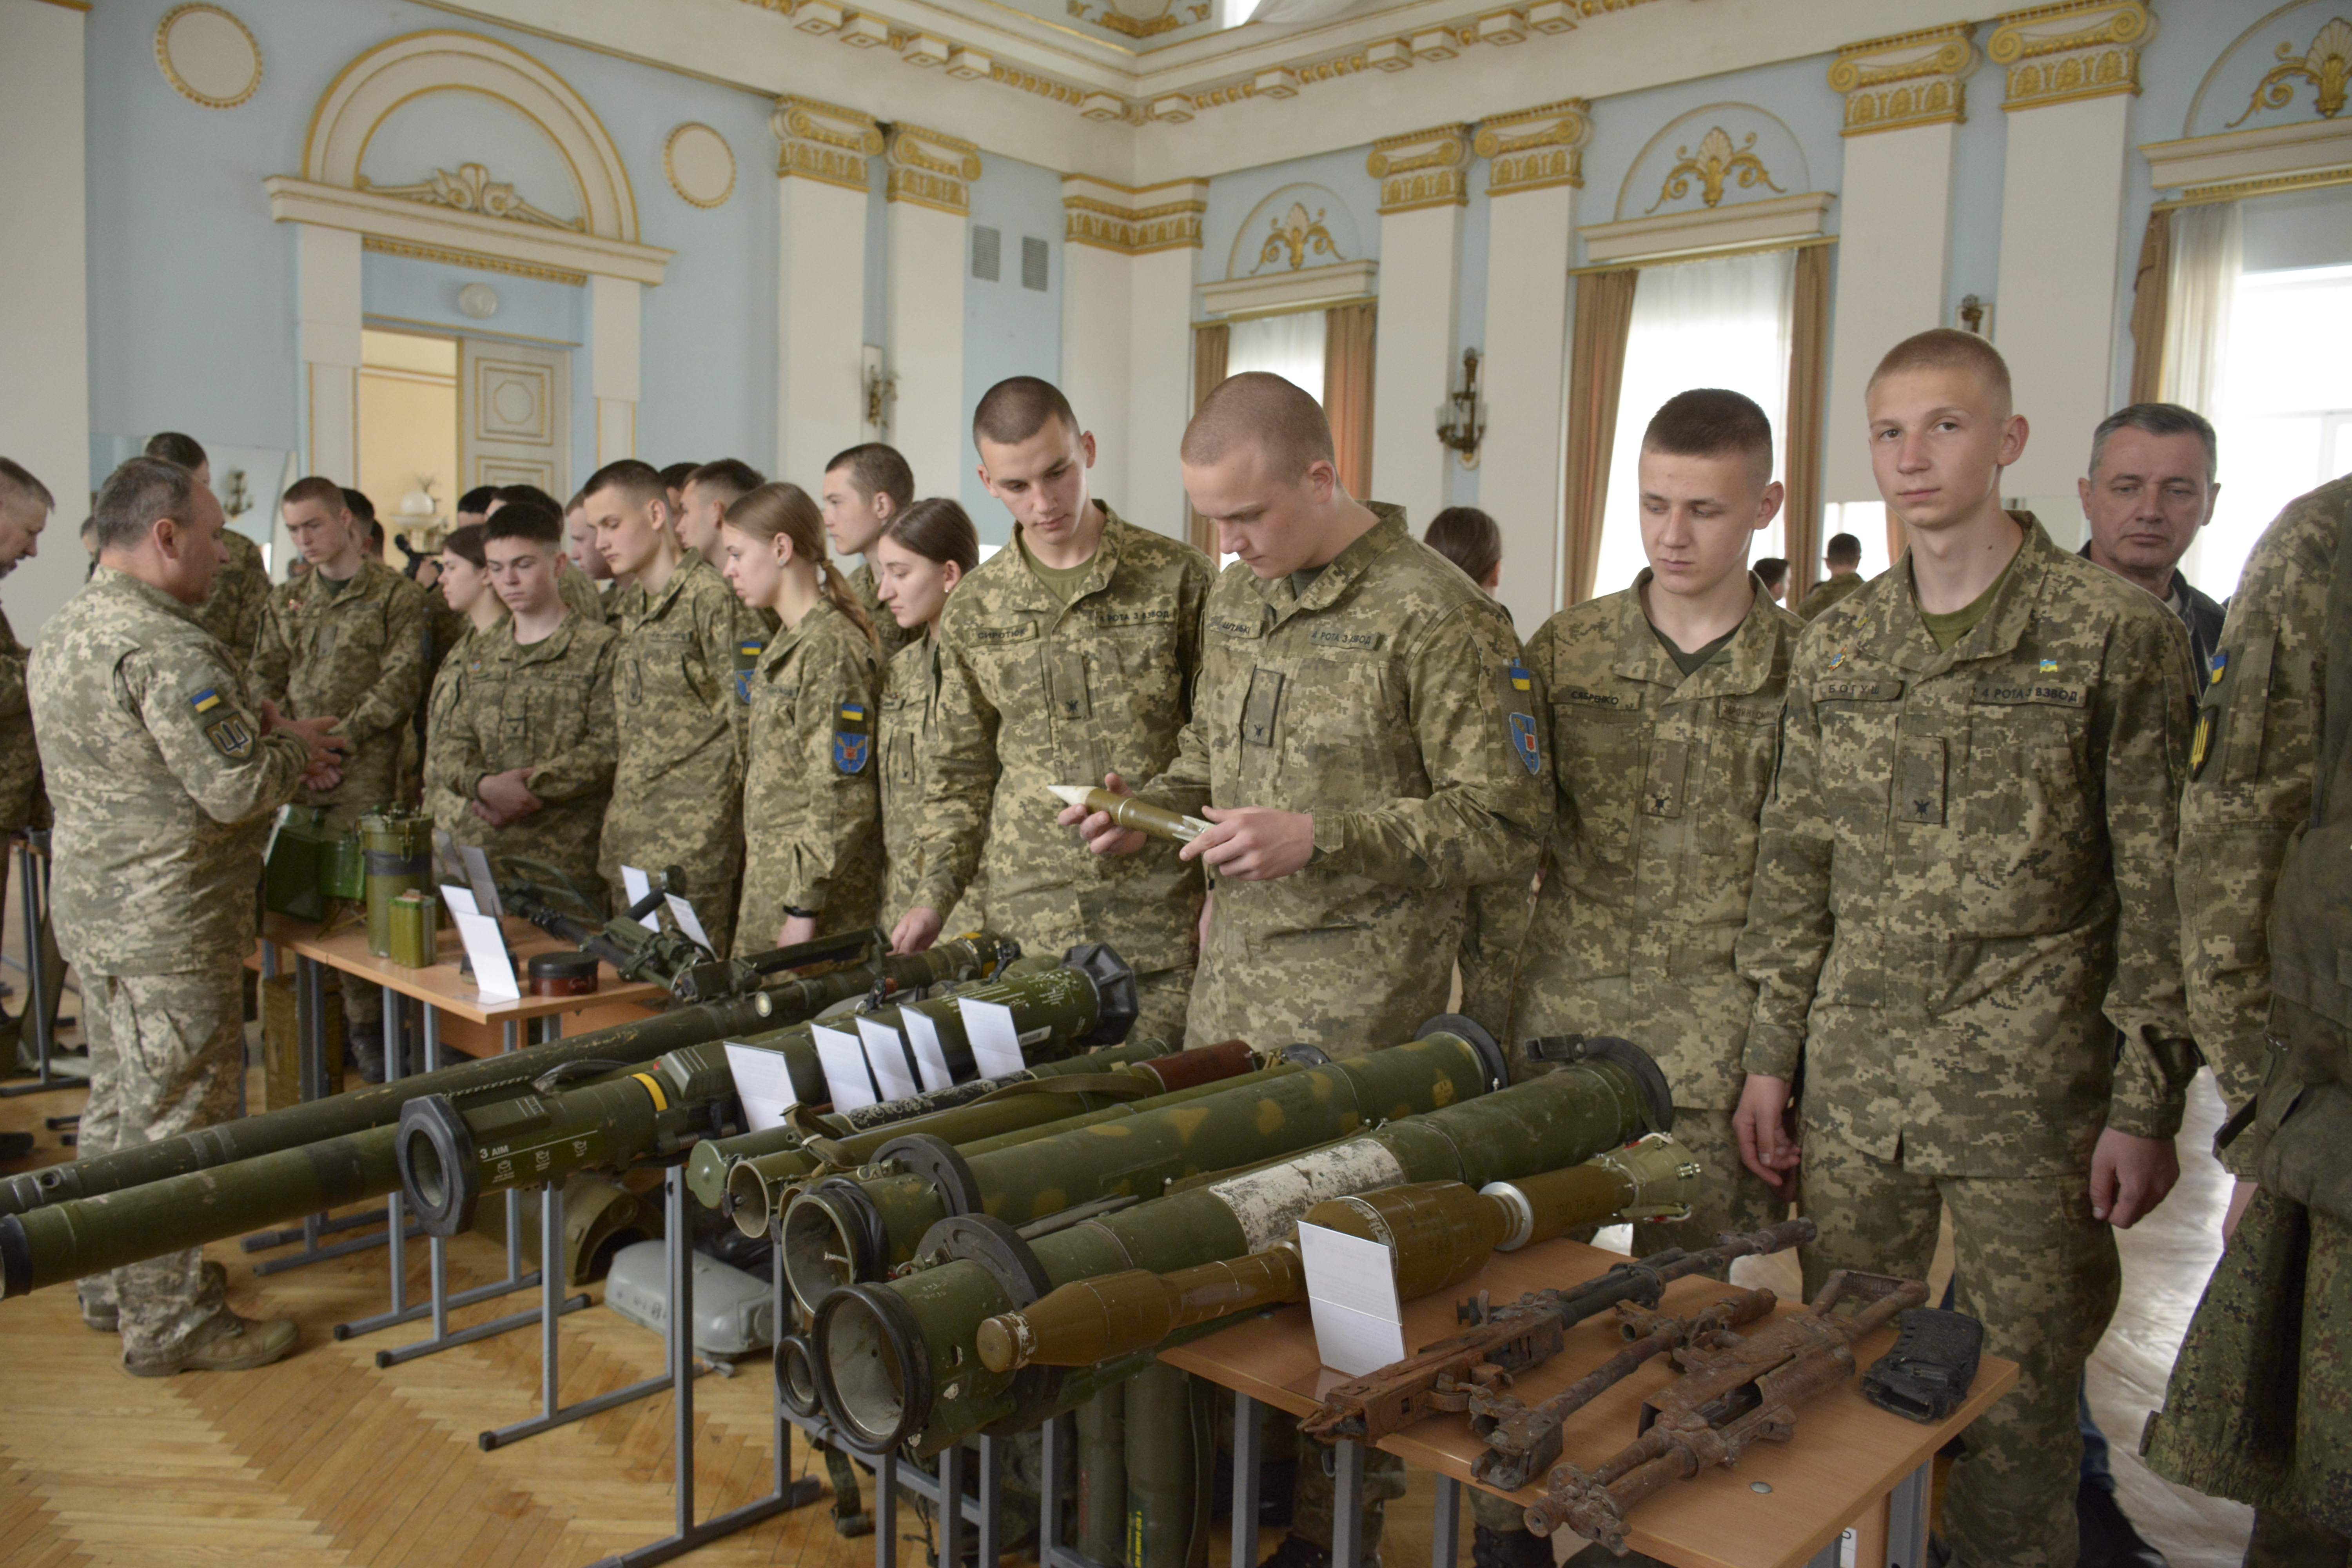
[(677, 474), (1260, 409), (175, 447), (22, 494), (1947, 348), (638, 482), (527, 520), (1711, 422), (319, 488), (880, 470), (731, 476), (1016, 408)]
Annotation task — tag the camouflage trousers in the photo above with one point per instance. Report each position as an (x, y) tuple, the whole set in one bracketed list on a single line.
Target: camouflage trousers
[(1314, 1492), (2040, 1274), (166, 1055), (1162, 998), (2260, 1405)]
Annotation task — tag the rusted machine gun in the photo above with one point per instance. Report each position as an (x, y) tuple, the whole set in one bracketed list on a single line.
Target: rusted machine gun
[(1737, 1391), (1506, 1341)]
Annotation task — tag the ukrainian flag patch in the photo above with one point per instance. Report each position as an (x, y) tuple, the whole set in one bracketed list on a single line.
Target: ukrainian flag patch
[(2049, 667), (207, 699)]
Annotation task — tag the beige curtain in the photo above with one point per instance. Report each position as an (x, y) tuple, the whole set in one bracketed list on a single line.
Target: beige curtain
[(1347, 335), (1809, 369), (1209, 346), (2151, 288), (1596, 370)]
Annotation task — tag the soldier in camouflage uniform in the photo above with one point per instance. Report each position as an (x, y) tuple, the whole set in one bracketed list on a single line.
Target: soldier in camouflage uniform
[(530, 742), (1373, 745), (865, 487), (677, 790), (811, 814), (240, 591), (1067, 657), (165, 776), (921, 558), (25, 506), (2260, 1405), (1843, 558), (1963, 898), (348, 639), (465, 587)]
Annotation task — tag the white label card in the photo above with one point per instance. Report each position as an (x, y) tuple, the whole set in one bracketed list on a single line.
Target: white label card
[(1351, 1292), (995, 1043), (846, 1081), (486, 944), (763, 1082), (885, 1053), (683, 913), (931, 1056), (459, 901), (636, 884), (486, 887)]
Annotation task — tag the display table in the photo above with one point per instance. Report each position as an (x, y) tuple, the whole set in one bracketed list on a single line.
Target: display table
[(1787, 1505)]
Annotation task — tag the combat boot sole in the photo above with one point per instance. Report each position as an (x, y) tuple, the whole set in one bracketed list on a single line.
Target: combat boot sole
[(242, 1346)]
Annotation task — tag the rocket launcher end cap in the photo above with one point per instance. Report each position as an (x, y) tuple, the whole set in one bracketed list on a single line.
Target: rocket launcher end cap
[(1116, 1002), (1490, 1055), (873, 1371), (435, 1151), (16, 1258)]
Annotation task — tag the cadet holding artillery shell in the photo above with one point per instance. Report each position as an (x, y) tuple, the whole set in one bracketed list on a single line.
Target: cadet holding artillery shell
[(921, 557), (810, 806)]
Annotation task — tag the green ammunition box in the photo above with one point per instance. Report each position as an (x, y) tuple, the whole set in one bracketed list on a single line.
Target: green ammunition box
[(416, 926), (310, 866), (282, 1056)]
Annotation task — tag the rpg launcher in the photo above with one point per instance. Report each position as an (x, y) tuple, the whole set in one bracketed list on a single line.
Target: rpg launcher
[(1504, 1341)]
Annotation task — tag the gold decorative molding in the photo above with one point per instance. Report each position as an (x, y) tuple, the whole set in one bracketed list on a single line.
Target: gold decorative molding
[(469, 189), (2239, 190), (1131, 221), (2077, 49), (931, 169), (385, 245), (1299, 235), (1536, 148), (1911, 78), (824, 142), (243, 78), (1714, 163), (2325, 64), (1773, 223), (694, 187), (1422, 169)]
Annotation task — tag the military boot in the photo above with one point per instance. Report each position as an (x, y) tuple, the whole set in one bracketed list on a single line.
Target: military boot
[(2105, 1533), (1297, 1552), (1508, 1549), (365, 1043), (228, 1343)]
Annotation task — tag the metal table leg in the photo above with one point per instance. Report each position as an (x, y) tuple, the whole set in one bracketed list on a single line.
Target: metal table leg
[(1347, 1502), (1246, 1429), (38, 1004), (1907, 1521), (1445, 1523)]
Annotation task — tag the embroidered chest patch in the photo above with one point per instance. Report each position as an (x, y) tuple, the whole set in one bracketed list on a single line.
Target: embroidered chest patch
[(1519, 711), (853, 737)]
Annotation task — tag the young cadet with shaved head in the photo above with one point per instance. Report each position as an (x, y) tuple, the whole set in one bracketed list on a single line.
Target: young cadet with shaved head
[(1368, 744), (1068, 658), (1963, 927), (865, 487)]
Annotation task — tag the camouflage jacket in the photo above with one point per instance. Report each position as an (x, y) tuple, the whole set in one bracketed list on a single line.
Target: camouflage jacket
[(21, 802), (232, 611), (579, 591), (886, 629), (358, 655), (451, 812), (811, 814), (1036, 692), (1830, 590), (2253, 760), (1660, 777), (166, 782), (1389, 702), (910, 697), (1968, 855), (546, 706)]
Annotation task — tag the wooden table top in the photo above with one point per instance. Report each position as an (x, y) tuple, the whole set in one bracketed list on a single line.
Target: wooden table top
[(1846, 1454), (441, 985)]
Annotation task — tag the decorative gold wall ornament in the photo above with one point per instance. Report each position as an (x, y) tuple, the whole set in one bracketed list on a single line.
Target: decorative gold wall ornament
[(1133, 221), (469, 189), (2080, 49), (699, 164), (2326, 65), (385, 245), (1299, 235), (1423, 169), (824, 142), (208, 56), (1716, 162), (1119, 22), (1536, 148), (1911, 78), (931, 169)]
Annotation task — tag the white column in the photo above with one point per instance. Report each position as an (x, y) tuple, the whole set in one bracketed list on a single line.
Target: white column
[(929, 199), (2060, 245), (1096, 360), (613, 325), (820, 282), (1904, 99), (1535, 169), (327, 283), (44, 292), (1161, 350), (1423, 183)]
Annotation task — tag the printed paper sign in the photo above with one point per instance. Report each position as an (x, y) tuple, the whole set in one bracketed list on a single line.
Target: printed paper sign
[(931, 1056), (636, 884), (885, 1053), (846, 1080), (486, 887), (1351, 1292), (459, 901), (683, 913), (995, 1043), (763, 1082), (486, 944)]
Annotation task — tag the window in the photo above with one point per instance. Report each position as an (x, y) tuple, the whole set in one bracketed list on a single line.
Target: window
[(1290, 346), (1724, 322)]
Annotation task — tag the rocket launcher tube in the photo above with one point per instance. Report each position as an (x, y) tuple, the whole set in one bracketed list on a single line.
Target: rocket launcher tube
[(899, 1362), (1133, 812)]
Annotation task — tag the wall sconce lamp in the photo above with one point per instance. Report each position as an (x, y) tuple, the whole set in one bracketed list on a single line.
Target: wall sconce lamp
[(1462, 417), (236, 499), (881, 392)]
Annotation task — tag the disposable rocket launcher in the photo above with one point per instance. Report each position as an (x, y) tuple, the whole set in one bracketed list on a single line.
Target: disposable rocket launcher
[(66, 1221), (1134, 812), (1438, 1234), (452, 1156), (899, 1363)]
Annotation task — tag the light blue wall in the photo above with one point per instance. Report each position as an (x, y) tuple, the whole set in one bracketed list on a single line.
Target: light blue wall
[(1980, 157), (1008, 330), (878, 254), (1460, 483), (1232, 197)]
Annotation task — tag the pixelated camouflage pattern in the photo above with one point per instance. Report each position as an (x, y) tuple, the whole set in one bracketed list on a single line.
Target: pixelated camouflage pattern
[(1830, 590), (546, 706), (22, 804), (1377, 701), (2036, 1269), (240, 593), (579, 591), (1967, 857), (812, 820), (910, 695), (1313, 1493), (677, 789), (1036, 692), (1660, 779), (451, 812), (894, 637), (159, 829), (359, 655), (167, 1053)]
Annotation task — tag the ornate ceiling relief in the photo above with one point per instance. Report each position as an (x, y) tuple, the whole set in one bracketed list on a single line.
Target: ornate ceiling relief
[(931, 169), (209, 57), (2082, 48), (1536, 148), (2325, 65), (1423, 169), (699, 166), (1714, 163), (1912, 78), (824, 142), (1131, 221), (470, 189)]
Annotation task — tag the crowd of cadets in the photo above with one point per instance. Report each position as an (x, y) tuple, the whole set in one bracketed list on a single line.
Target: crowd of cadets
[(1919, 852)]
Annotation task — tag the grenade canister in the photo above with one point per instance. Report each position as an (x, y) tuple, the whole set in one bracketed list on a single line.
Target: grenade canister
[(397, 848)]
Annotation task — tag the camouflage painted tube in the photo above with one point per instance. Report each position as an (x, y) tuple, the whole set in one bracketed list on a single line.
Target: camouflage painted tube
[(342, 1115), (899, 1362), (849, 1228)]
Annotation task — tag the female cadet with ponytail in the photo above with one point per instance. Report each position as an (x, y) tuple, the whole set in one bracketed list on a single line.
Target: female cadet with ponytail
[(465, 583), (918, 558), (813, 861)]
